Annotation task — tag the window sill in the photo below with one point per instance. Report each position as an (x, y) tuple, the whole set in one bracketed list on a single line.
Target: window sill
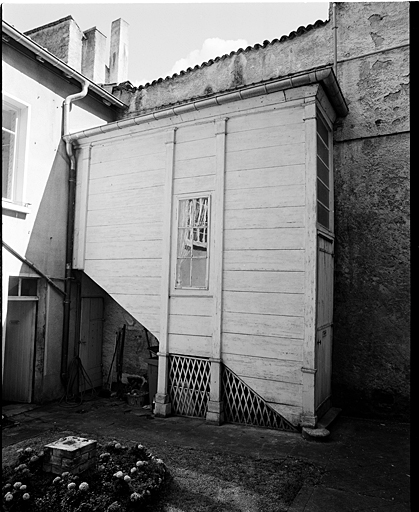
[(14, 207)]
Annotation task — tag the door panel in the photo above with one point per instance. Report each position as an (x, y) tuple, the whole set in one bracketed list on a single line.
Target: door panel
[(91, 337), (324, 321), (19, 351)]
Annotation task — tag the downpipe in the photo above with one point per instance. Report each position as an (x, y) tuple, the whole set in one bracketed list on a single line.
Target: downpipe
[(70, 227)]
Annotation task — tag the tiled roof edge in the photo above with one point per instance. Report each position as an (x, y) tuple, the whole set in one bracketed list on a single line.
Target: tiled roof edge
[(295, 33)]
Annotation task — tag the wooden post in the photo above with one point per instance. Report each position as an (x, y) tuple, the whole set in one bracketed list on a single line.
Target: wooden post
[(308, 417), (163, 406), (215, 412)]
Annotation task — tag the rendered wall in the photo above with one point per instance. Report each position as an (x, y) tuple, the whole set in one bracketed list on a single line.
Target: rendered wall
[(40, 235), (371, 356)]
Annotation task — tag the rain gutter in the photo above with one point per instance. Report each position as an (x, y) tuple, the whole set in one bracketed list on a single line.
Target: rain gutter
[(325, 76)]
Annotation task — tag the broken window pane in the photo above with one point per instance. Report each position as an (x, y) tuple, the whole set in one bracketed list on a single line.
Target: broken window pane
[(192, 243)]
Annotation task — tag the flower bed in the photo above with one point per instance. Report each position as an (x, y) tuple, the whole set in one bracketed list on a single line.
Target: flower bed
[(124, 479)]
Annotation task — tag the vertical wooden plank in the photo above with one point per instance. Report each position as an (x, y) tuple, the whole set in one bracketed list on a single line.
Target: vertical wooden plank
[(308, 417), (82, 201), (215, 405), (220, 135), (162, 407)]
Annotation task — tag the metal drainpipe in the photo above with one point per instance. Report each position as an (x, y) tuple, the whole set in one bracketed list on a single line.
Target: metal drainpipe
[(335, 41), (70, 226)]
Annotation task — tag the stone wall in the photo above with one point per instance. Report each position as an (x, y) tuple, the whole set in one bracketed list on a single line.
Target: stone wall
[(115, 317)]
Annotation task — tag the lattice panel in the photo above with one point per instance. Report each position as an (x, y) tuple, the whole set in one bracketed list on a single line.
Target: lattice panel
[(243, 405), (189, 385)]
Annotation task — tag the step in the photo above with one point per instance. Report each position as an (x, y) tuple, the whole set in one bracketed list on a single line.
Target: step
[(329, 417)]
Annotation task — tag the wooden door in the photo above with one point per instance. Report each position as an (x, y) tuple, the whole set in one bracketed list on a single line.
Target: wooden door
[(91, 338), (19, 351), (324, 321)]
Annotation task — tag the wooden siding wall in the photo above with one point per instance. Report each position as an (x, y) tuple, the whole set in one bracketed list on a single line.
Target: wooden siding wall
[(263, 302), (190, 317), (263, 305), (124, 222)]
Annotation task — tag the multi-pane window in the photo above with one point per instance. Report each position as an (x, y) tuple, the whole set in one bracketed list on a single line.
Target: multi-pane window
[(9, 139), (14, 135), (323, 173), (23, 286), (192, 243)]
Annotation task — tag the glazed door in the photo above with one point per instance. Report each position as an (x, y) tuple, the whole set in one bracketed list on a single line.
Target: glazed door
[(324, 322), (19, 351), (90, 344)]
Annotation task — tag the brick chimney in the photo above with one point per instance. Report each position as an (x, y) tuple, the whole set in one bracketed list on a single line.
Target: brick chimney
[(93, 63), (118, 58), (63, 38)]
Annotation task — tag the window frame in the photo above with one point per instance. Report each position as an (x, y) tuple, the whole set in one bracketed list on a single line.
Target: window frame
[(19, 296), (324, 118), (191, 291), (17, 200)]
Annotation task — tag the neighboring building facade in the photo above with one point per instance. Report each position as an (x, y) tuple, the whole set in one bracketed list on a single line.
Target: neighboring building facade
[(35, 191)]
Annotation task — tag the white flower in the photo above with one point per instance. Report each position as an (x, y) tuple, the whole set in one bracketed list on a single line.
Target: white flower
[(66, 473), (140, 446), (159, 461), (84, 486), (139, 463), (26, 496), (118, 446), (56, 480), (135, 496), (17, 485), (23, 488), (9, 496), (28, 449), (134, 470), (71, 486), (118, 474), (127, 478)]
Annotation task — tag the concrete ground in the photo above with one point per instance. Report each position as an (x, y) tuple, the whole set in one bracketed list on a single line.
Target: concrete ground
[(367, 463)]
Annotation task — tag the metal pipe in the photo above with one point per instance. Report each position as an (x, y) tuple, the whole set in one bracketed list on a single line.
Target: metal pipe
[(70, 225), (33, 267), (335, 41)]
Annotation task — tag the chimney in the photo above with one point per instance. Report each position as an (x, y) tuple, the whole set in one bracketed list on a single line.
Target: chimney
[(93, 64), (118, 58), (63, 38)]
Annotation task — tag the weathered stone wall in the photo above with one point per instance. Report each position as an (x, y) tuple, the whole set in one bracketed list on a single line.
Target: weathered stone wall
[(371, 369), (63, 39), (372, 302)]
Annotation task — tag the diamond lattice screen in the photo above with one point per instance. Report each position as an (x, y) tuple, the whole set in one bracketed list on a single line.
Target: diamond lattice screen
[(189, 385), (242, 405)]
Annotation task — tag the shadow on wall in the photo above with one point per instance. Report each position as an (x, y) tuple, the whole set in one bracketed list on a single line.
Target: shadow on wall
[(137, 340), (371, 353)]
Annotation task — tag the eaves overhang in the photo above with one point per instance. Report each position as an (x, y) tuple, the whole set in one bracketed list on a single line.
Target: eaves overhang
[(13, 37), (324, 76)]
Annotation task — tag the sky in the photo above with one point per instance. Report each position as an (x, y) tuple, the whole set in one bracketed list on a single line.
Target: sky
[(165, 38)]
